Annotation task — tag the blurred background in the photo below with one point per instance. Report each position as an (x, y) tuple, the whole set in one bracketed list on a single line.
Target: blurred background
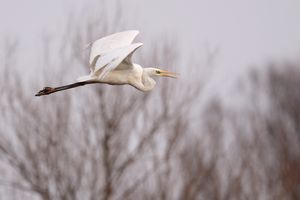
[(228, 128)]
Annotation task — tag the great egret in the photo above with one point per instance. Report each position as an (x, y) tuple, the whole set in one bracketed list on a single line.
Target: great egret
[(110, 63)]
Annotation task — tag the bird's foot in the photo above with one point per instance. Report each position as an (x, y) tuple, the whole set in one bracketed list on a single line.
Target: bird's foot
[(45, 91)]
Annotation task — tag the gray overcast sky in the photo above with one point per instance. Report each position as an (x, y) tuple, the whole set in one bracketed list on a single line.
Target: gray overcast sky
[(247, 32)]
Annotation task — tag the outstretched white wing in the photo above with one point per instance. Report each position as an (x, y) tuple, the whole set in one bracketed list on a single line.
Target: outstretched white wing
[(110, 43), (111, 60)]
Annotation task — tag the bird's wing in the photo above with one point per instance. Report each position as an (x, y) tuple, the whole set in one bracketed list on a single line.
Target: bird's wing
[(110, 43), (110, 61)]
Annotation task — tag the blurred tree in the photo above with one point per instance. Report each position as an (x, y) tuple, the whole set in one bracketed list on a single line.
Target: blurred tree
[(108, 142), (264, 157), (105, 143)]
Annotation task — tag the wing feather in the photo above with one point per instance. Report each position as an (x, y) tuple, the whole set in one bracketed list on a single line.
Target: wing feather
[(110, 61), (110, 43)]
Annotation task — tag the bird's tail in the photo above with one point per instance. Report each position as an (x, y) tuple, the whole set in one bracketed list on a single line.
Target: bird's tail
[(85, 78)]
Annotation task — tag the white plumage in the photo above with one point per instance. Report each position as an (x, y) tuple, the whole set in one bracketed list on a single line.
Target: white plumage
[(110, 43)]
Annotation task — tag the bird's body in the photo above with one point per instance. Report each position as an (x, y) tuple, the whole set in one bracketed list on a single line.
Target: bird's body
[(134, 76), (110, 63)]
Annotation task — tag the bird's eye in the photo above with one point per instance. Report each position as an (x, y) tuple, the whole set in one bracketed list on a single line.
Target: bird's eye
[(157, 71)]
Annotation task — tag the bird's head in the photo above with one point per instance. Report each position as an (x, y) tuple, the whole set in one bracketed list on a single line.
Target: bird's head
[(160, 72)]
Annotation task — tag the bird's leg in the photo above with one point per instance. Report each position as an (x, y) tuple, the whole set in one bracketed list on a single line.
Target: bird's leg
[(50, 90)]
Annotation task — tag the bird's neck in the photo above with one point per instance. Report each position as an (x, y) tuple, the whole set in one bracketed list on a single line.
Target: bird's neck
[(148, 82)]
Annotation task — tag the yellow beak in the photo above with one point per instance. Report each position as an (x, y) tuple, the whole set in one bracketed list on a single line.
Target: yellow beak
[(168, 74)]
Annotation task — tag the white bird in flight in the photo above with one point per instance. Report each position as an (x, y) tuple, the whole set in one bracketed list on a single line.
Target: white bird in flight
[(111, 63)]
